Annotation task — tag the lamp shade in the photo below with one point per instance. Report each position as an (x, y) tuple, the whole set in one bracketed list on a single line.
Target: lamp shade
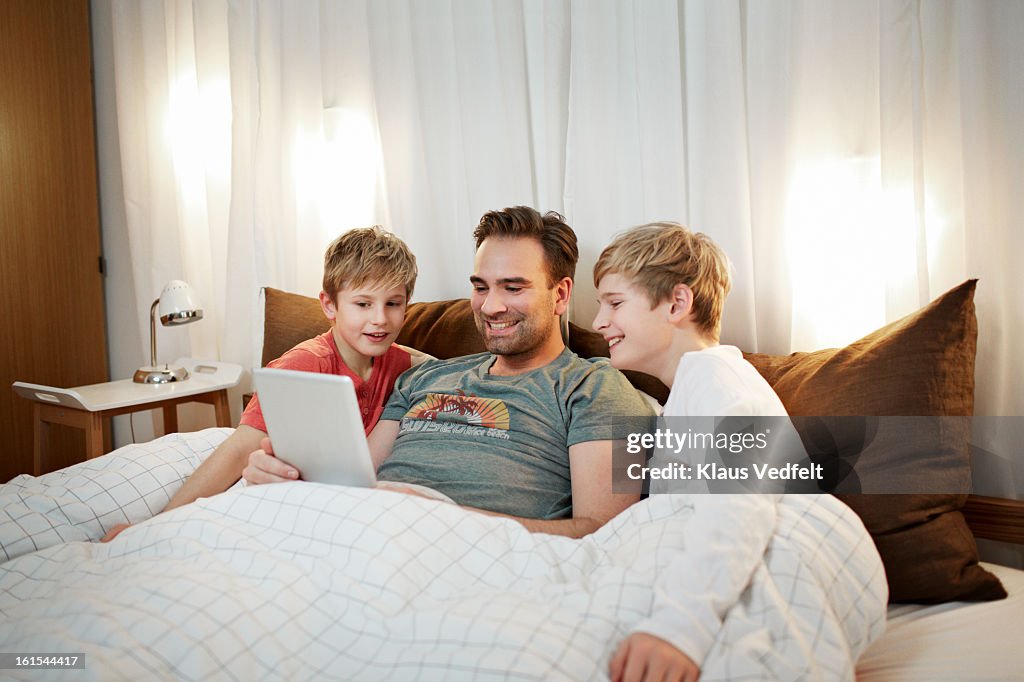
[(179, 304)]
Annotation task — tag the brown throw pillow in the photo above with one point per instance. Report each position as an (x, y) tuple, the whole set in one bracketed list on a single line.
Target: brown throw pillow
[(921, 365), (444, 329), (289, 319)]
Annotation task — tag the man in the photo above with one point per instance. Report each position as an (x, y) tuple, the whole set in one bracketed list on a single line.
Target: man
[(524, 430)]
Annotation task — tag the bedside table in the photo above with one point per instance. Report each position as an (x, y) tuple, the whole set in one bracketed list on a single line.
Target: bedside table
[(85, 407)]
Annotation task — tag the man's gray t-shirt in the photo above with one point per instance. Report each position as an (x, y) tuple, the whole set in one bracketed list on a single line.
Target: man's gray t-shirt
[(501, 443)]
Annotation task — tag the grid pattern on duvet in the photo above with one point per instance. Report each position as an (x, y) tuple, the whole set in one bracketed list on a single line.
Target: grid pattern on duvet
[(83, 501), (314, 582)]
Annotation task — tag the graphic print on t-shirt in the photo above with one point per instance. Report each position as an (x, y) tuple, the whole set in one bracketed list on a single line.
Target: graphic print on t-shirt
[(461, 409)]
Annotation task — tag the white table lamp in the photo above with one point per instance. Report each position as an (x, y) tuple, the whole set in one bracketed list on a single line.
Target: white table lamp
[(177, 305)]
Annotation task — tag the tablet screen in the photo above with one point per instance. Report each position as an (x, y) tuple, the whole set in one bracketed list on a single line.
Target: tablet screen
[(314, 423)]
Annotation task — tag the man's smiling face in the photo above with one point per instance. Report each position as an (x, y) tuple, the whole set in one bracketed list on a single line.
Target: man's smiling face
[(515, 306)]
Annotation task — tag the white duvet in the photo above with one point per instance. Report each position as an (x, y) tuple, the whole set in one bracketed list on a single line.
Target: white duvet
[(304, 581)]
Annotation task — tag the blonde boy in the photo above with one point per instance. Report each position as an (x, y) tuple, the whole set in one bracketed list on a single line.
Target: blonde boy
[(661, 290), (369, 275)]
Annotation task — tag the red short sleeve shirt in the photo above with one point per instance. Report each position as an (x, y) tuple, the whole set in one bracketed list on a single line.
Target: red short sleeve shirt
[(320, 354)]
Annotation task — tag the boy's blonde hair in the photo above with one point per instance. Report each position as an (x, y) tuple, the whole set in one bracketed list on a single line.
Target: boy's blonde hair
[(659, 256), (368, 254)]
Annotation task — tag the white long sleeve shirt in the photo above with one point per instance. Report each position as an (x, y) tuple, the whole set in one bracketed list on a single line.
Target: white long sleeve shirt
[(726, 537)]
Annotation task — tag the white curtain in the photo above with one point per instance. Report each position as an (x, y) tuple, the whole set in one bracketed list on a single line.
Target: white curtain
[(855, 159)]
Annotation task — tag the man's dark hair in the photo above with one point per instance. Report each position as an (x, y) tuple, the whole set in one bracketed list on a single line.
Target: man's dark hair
[(554, 234)]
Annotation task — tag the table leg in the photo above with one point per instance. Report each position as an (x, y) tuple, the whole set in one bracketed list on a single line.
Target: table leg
[(46, 415), (170, 419), (40, 440), (94, 435), (221, 408), (108, 439)]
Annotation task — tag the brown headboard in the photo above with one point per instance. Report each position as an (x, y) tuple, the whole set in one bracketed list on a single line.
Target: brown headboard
[(995, 518)]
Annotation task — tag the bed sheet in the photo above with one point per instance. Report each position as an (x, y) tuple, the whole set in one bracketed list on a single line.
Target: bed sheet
[(952, 641)]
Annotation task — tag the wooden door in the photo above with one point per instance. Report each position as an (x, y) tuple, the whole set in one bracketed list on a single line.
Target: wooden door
[(51, 287)]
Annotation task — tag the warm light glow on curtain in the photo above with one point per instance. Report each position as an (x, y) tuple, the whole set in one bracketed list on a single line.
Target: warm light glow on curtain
[(198, 133), (335, 172), (848, 238)]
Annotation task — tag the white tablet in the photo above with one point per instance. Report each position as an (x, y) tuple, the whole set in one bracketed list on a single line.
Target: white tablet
[(314, 423)]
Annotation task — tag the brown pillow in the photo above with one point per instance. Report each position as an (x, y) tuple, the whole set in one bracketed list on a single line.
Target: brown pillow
[(444, 329), (289, 319), (921, 365)]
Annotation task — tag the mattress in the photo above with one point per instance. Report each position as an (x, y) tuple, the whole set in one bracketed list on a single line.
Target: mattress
[(953, 641)]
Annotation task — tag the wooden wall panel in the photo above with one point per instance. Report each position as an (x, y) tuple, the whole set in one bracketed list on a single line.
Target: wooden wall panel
[(51, 288)]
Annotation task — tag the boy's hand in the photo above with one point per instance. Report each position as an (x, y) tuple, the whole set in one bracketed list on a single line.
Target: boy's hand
[(263, 467), (644, 657), (114, 532)]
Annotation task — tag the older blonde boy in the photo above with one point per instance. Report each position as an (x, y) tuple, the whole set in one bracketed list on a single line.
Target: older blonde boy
[(661, 289), (369, 275)]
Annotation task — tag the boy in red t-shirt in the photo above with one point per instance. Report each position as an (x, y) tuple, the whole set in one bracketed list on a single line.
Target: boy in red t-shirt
[(369, 275)]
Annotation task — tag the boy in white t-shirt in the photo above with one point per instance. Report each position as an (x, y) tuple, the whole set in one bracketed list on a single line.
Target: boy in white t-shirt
[(661, 289)]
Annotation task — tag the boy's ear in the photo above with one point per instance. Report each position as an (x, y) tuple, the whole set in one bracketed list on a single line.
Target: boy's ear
[(329, 307), (682, 303), (563, 291)]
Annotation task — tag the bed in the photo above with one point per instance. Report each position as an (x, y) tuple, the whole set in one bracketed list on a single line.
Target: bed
[(307, 581)]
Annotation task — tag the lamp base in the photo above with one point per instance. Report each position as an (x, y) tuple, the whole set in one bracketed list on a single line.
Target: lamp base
[(159, 375)]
